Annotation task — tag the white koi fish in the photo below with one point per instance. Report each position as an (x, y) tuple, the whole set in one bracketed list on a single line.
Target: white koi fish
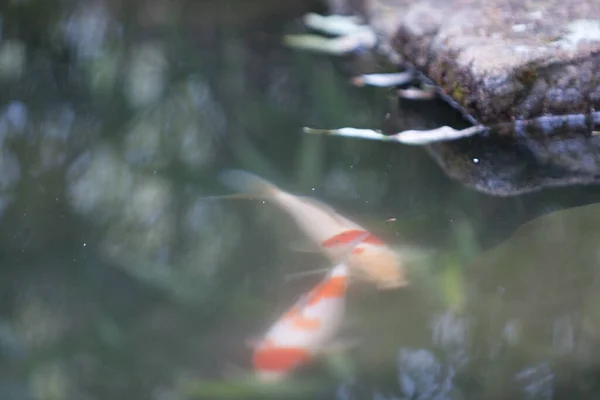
[(304, 331), (371, 259)]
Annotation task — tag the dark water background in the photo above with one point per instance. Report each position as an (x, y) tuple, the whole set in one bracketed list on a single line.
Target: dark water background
[(120, 281)]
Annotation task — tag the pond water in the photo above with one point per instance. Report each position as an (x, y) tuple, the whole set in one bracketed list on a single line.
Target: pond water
[(122, 278)]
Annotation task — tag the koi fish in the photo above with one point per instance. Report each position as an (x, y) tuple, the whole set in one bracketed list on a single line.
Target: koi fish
[(304, 331), (371, 260)]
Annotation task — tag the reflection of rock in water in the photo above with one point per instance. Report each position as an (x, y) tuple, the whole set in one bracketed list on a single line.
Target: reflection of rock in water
[(536, 382), (13, 119), (451, 333), (50, 381), (87, 28), (531, 299), (45, 139), (98, 183), (50, 313), (12, 59), (183, 127), (530, 328), (547, 152), (422, 375), (146, 74), (174, 244), (11, 172)]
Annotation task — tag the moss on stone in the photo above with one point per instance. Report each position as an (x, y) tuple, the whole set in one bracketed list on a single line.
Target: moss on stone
[(527, 76), (459, 94)]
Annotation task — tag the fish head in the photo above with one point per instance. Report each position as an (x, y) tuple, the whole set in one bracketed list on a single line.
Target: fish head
[(378, 265)]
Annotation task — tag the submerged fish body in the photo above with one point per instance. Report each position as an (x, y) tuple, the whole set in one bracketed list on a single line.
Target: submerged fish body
[(303, 331), (371, 259)]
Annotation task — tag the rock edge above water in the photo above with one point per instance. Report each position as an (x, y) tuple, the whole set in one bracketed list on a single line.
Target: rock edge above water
[(499, 60)]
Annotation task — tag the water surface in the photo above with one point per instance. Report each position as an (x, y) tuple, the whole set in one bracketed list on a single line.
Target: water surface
[(121, 280)]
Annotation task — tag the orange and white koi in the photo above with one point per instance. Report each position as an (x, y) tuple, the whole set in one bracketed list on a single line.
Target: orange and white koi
[(304, 331), (371, 259)]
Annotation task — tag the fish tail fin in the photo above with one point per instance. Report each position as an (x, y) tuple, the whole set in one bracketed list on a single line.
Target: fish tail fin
[(247, 182)]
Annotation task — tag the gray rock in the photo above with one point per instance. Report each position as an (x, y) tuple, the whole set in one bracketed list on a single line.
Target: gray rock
[(498, 60), (553, 152)]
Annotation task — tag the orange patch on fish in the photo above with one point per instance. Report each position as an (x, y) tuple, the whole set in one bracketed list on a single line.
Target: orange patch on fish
[(306, 323), (333, 288), (349, 236), (279, 358)]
